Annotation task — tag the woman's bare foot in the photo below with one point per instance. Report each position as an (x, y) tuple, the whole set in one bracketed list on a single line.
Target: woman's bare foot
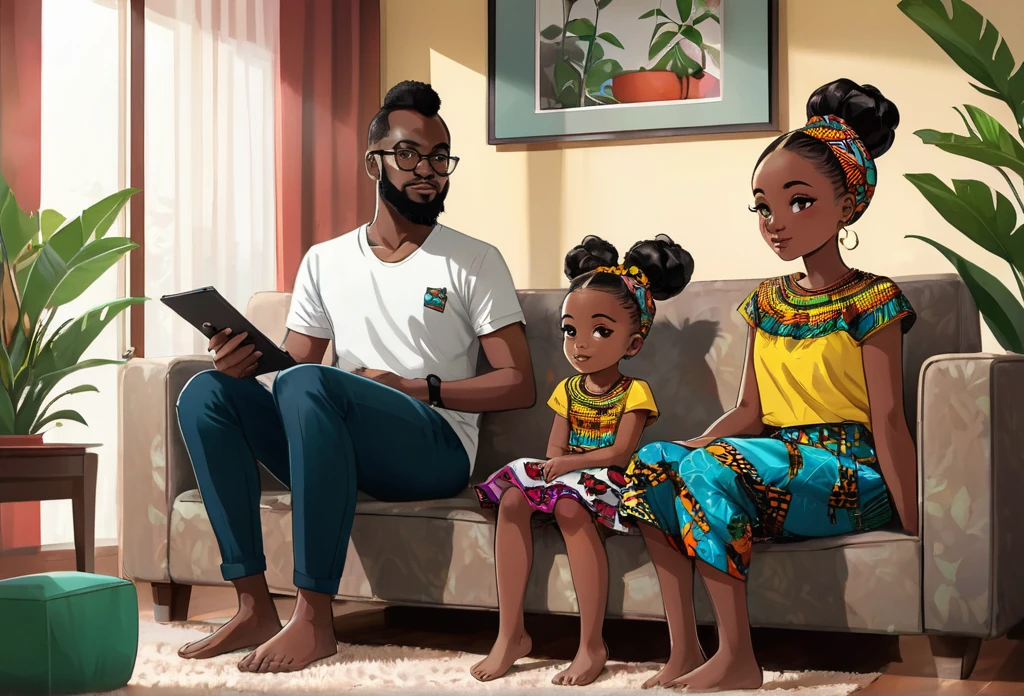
[(673, 669), (308, 637), (255, 623), (585, 667), (502, 656), (724, 672)]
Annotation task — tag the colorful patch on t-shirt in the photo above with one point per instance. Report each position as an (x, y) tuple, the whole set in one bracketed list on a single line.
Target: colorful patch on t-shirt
[(436, 298)]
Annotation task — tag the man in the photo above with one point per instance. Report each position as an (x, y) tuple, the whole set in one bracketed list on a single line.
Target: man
[(407, 303)]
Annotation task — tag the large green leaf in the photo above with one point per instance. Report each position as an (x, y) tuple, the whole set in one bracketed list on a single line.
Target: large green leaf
[(660, 44), (551, 33), (31, 405), (610, 38), (88, 265), (17, 226), (600, 72), (581, 27), (692, 34), (969, 208), (71, 340), (80, 389), (66, 414), (98, 218), (7, 426), (992, 144), (685, 8), (1001, 309), (6, 369), (974, 44)]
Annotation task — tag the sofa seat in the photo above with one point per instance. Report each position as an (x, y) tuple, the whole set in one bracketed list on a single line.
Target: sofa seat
[(441, 552)]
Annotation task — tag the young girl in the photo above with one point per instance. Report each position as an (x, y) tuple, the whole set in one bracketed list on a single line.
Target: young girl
[(600, 415), (818, 443)]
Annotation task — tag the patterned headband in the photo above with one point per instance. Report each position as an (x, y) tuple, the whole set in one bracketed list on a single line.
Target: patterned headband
[(849, 149), (638, 284)]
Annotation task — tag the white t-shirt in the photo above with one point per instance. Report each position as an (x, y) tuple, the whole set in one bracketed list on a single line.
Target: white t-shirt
[(421, 315)]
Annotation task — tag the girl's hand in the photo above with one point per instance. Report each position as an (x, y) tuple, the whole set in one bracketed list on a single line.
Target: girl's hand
[(556, 466)]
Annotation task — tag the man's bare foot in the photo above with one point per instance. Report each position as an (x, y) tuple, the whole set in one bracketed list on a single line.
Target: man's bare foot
[(585, 667), (724, 672), (308, 637), (502, 656), (674, 668), (255, 622)]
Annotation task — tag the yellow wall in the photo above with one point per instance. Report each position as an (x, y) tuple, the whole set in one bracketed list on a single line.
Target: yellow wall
[(535, 202)]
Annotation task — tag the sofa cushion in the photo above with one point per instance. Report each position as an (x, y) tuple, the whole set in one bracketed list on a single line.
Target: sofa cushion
[(441, 552)]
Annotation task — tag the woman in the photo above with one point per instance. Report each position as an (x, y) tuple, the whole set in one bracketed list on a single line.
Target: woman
[(805, 452)]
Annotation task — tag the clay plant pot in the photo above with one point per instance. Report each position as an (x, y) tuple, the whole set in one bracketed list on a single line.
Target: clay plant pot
[(13, 441), (646, 86), (701, 87)]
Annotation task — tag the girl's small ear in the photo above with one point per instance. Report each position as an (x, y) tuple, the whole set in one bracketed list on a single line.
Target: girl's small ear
[(371, 167), (846, 206), (635, 345)]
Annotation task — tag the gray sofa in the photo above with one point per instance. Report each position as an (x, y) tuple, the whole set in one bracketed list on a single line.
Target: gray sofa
[(958, 582)]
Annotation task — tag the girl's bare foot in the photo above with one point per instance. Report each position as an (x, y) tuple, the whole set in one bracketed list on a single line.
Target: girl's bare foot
[(673, 669), (585, 667), (725, 671), (308, 637), (502, 656), (255, 623)]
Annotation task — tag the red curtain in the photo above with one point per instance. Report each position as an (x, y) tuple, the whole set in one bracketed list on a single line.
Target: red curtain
[(20, 107), (328, 89)]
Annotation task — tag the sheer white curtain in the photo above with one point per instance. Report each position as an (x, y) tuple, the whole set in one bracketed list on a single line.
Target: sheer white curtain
[(210, 214), (82, 156)]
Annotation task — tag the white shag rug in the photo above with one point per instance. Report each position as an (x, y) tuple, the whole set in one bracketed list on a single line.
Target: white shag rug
[(387, 669)]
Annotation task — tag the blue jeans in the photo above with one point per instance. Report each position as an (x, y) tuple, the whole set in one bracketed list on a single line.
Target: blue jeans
[(324, 433)]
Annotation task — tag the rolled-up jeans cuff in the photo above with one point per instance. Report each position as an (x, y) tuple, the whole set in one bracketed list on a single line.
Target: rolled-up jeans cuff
[(321, 585), (234, 571)]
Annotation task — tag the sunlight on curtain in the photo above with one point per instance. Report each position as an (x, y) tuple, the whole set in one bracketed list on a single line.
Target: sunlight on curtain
[(210, 215), (80, 159)]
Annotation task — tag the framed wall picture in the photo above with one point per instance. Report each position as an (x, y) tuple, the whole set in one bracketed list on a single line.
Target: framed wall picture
[(606, 69)]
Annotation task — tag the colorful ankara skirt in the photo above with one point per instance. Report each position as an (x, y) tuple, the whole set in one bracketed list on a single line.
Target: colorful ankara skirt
[(712, 503), (598, 490)]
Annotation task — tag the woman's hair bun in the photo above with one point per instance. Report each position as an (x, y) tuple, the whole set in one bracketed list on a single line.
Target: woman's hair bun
[(667, 265), (593, 252), (865, 110)]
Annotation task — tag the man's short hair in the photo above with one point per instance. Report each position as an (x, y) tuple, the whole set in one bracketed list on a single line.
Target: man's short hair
[(411, 95)]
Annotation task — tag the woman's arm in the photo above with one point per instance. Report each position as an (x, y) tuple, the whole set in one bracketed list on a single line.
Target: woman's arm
[(897, 456), (745, 417), (631, 427)]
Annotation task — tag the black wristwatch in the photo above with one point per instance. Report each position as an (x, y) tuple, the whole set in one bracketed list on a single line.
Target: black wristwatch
[(434, 391)]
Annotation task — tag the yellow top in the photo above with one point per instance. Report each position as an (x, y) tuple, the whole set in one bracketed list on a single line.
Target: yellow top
[(594, 420), (807, 349)]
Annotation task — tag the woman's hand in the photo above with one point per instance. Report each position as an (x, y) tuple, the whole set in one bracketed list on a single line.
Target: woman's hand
[(557, 466), (698, 442)]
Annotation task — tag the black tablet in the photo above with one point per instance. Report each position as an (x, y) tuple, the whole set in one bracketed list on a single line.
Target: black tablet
[(208, 311)]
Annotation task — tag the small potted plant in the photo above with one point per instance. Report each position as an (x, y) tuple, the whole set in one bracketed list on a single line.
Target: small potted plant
[(674, 75), (48, 261)]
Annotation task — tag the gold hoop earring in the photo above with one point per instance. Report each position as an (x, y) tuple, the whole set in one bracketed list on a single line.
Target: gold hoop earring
[(845, 236)]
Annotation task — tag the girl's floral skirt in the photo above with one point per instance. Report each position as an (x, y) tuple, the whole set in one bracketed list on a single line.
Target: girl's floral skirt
[(598, 490)]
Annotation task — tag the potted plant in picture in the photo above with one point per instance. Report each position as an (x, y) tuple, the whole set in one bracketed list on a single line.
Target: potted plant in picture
[(48, 261), (985, 217), (674, 74), (576, 51)]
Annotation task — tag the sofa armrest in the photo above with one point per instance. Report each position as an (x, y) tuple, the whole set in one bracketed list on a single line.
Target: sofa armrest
[(971, 484), (156, 466)]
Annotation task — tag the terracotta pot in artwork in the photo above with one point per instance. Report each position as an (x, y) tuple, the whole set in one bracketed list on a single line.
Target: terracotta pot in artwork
[(11, 441), (703, 87), (646, 86)]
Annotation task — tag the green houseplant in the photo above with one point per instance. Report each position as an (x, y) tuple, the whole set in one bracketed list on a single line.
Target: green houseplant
[(580, 67), (987, 218), (48, 261)]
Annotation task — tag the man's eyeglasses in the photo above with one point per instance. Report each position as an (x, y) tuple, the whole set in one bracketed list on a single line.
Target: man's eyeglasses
[(407, 160)]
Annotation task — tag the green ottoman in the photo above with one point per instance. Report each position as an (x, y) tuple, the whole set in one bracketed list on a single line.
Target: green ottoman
[(67, 633)]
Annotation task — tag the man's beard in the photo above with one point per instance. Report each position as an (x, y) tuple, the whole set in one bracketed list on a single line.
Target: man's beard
[(417, 213)]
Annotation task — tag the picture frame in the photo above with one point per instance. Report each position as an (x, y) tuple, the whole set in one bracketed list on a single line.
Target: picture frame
[(550, 84)]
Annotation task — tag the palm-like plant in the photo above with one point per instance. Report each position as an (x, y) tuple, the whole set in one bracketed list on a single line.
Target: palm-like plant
[(48, 261), (987, 219)]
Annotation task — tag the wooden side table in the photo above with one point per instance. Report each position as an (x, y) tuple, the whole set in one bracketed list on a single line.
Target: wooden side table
[(56, 472)]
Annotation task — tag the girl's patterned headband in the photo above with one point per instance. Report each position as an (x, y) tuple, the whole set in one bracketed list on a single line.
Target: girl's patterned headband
[(638, 284), (849, 149)]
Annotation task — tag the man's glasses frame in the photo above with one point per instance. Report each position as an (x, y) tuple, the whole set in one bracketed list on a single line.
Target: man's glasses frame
[(434, 159)]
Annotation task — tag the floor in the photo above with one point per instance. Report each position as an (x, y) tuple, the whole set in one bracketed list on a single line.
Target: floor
[(905, 662)]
